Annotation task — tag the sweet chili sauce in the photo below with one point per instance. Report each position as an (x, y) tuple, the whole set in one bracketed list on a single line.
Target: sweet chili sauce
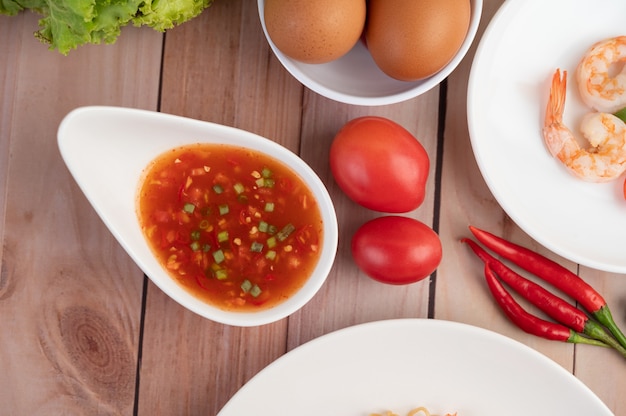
[(235, 227)]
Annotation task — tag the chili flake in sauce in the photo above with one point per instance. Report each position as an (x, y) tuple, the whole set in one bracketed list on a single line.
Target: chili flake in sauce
[(235, 227)]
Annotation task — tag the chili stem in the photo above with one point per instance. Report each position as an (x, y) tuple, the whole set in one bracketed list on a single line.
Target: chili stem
[(604, 316), (597, 331), (577, 338)]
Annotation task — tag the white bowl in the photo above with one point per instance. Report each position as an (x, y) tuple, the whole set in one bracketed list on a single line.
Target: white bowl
[(356, 79), (106, 150)]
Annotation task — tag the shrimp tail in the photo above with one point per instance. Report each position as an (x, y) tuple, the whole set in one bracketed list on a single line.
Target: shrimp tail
[(555, 133), (556, 102)]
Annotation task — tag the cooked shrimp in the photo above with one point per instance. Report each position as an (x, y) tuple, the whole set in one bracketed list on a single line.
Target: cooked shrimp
[(605, 159), (601, 81)]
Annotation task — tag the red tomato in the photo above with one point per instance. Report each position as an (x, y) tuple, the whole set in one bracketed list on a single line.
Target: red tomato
[(396, 250), (380, 165)]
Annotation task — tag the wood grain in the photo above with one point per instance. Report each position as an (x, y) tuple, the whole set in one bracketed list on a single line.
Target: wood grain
[(10, 49), (461, 292), (83, 331), (70, 298)]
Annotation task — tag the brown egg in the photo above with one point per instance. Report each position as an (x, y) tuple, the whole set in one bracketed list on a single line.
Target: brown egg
[(414, 39), (314, 31)]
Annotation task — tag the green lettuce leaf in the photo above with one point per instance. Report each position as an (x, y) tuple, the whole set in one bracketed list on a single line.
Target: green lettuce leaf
[(67, 24), (165, 14), (10, 7)]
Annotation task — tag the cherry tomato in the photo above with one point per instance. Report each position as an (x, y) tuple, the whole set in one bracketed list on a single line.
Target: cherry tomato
[(380, 165), (396, 250)]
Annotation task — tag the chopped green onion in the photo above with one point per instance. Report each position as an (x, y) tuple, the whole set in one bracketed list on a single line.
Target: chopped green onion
[(221, 274), (222, 236), (263, 226), (270, 255), (246, 285), (195, 235), (255, 291), (265, 182), (621, 114), (223, 209), (239, 188), (271, 242), (269, 207), (204, 224), (189, 208), (272, 229), (256, 247), (284, 233), (266, 172), (218, 189), (195, 246), (218, 256), (206, 248)]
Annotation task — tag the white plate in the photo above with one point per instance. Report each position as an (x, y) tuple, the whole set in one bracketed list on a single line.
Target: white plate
[(508, 89), (400, 364), (106, 150)]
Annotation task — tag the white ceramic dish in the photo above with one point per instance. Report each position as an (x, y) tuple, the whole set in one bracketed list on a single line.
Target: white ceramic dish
[(355, 78), (401, 364), (107, 148), (508, 89)]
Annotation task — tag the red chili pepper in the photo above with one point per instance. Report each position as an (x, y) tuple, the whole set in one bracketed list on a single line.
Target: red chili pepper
[(555, 274), (306, 237), (555, 307), (544, 268), (182, 238), (552, 305), (180, 192), (286, 185), (202, 280), (528, 322)]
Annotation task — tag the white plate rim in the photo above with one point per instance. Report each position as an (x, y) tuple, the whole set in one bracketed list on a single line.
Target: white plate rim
[(265, 387)]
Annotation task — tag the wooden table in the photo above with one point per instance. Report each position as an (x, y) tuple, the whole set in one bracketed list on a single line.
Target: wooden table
[(83, 331)]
